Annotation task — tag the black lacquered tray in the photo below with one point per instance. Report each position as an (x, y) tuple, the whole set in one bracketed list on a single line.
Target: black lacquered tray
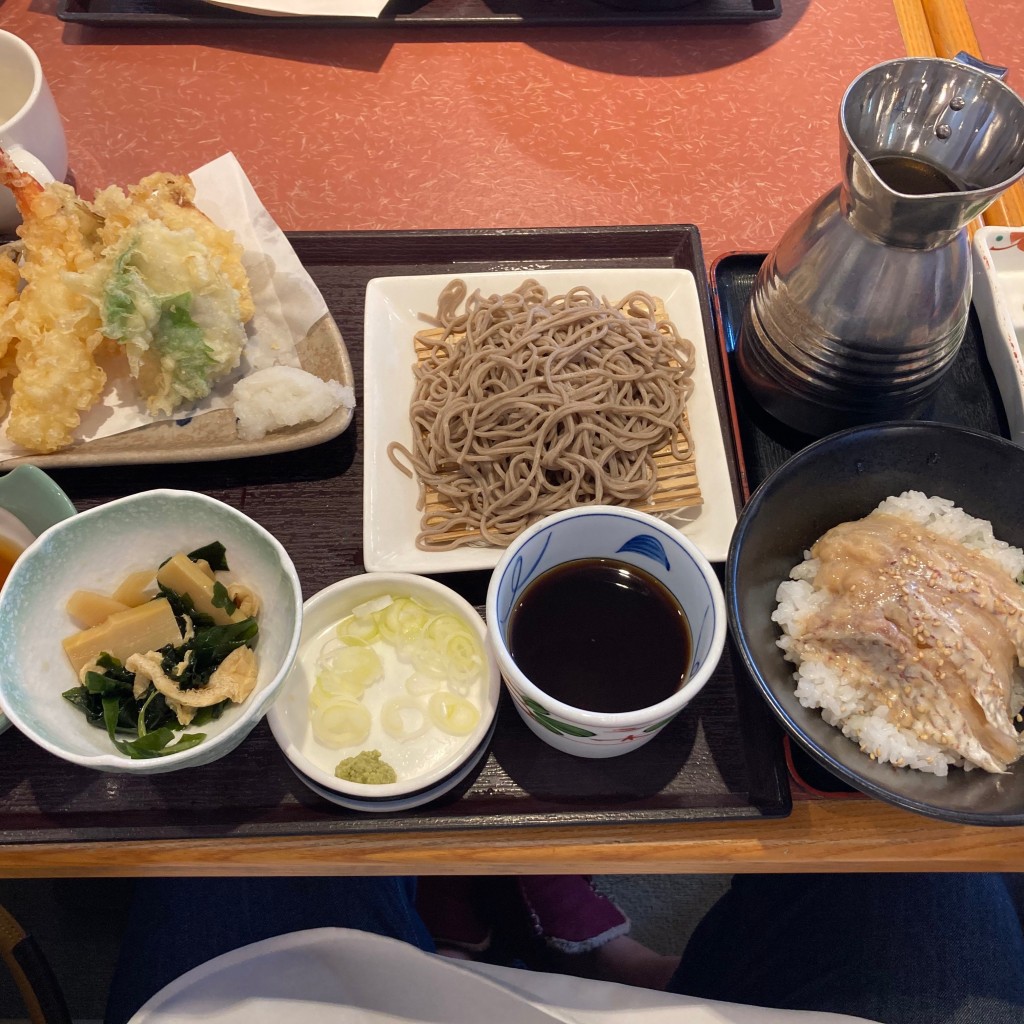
[(968, 396), (430, 13), (721, 759)]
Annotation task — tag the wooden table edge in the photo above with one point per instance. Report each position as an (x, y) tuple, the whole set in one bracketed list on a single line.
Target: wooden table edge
[(838, 836)]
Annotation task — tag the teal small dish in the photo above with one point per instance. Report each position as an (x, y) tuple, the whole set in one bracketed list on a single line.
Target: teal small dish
[(30, 503), (32, 497)]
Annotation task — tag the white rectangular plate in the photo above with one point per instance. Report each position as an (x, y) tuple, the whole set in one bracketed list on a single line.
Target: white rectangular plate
[(999, 302), (393, 308)]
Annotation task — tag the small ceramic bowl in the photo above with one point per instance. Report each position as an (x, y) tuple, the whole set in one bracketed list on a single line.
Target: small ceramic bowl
[(95, 550), (598, 531), (841, 478), (30, 502), (427, 766)]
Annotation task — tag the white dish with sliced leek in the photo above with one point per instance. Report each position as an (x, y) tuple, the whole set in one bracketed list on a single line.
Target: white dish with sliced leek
[(393, 663)]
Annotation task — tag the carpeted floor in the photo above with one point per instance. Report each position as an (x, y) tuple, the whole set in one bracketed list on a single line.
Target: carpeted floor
[(663, 909)]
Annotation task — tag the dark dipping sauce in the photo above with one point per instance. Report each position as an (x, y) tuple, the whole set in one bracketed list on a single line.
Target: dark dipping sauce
[(600, 635), (912, 177)]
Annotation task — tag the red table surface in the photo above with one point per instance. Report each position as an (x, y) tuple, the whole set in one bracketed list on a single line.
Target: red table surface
[(1000, 31), (732, 128)]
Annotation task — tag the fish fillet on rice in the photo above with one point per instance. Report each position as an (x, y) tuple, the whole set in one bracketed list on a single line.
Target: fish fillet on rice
[(907, 631)]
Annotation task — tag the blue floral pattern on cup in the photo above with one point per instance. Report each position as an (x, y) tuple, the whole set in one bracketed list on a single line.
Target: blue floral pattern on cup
[(650, 547), (520, 578)]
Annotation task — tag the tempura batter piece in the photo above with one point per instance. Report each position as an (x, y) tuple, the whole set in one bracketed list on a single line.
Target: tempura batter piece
[(170, 198), (144, 273), (175, 293), (10, 277), (55, 327)]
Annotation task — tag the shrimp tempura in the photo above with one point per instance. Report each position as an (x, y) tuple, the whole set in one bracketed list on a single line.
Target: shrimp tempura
[(55, 327), (10, 280), (10, 283)]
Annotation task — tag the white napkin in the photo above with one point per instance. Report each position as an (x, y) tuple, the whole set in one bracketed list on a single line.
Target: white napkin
[(337, 976), (287, 303), (309, 8)]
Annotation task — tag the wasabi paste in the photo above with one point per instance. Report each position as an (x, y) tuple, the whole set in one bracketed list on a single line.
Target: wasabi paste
[(366, 767)]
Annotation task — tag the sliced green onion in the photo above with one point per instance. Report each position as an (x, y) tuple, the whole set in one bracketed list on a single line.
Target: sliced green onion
[(404, 719), (348, 670), (357, 630), (341, 723), (443, 650), (403, 621), (453, 714), (418, 685)]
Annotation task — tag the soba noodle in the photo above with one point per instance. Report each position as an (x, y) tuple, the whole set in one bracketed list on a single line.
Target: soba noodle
[(526, 404)]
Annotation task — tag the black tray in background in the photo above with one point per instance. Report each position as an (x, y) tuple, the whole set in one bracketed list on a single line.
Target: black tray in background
[(427, 13), (968, 396)]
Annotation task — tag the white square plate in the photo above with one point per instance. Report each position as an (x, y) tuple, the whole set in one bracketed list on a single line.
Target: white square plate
[(393, 308)]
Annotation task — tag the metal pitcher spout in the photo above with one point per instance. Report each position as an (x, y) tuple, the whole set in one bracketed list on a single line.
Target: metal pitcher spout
[(928, 145)]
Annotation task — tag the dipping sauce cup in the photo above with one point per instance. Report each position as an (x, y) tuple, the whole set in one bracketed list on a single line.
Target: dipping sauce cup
[(645, 556)]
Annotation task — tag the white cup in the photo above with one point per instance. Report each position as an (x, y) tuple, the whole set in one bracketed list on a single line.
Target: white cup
[(31, 131), (624, 535)]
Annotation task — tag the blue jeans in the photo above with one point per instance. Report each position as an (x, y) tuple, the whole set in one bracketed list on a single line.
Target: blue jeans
[(176, 924), (902, 949)]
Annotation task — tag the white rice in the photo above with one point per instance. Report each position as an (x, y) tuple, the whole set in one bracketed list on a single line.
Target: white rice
[(857, 711), (285, 396)]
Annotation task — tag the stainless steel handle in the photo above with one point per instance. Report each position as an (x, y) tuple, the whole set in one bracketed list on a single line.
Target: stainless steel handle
[(980, 65)]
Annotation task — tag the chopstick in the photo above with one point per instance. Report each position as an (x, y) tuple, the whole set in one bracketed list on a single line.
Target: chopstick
[(951, 31), (951, 28), (914, 27)]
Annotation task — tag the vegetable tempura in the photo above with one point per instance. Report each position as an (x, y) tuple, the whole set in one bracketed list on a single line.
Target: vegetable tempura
[(173, 290), (144, 272)]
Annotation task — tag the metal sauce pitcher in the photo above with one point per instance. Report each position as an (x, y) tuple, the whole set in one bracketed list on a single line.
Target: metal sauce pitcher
[(861, 306)]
